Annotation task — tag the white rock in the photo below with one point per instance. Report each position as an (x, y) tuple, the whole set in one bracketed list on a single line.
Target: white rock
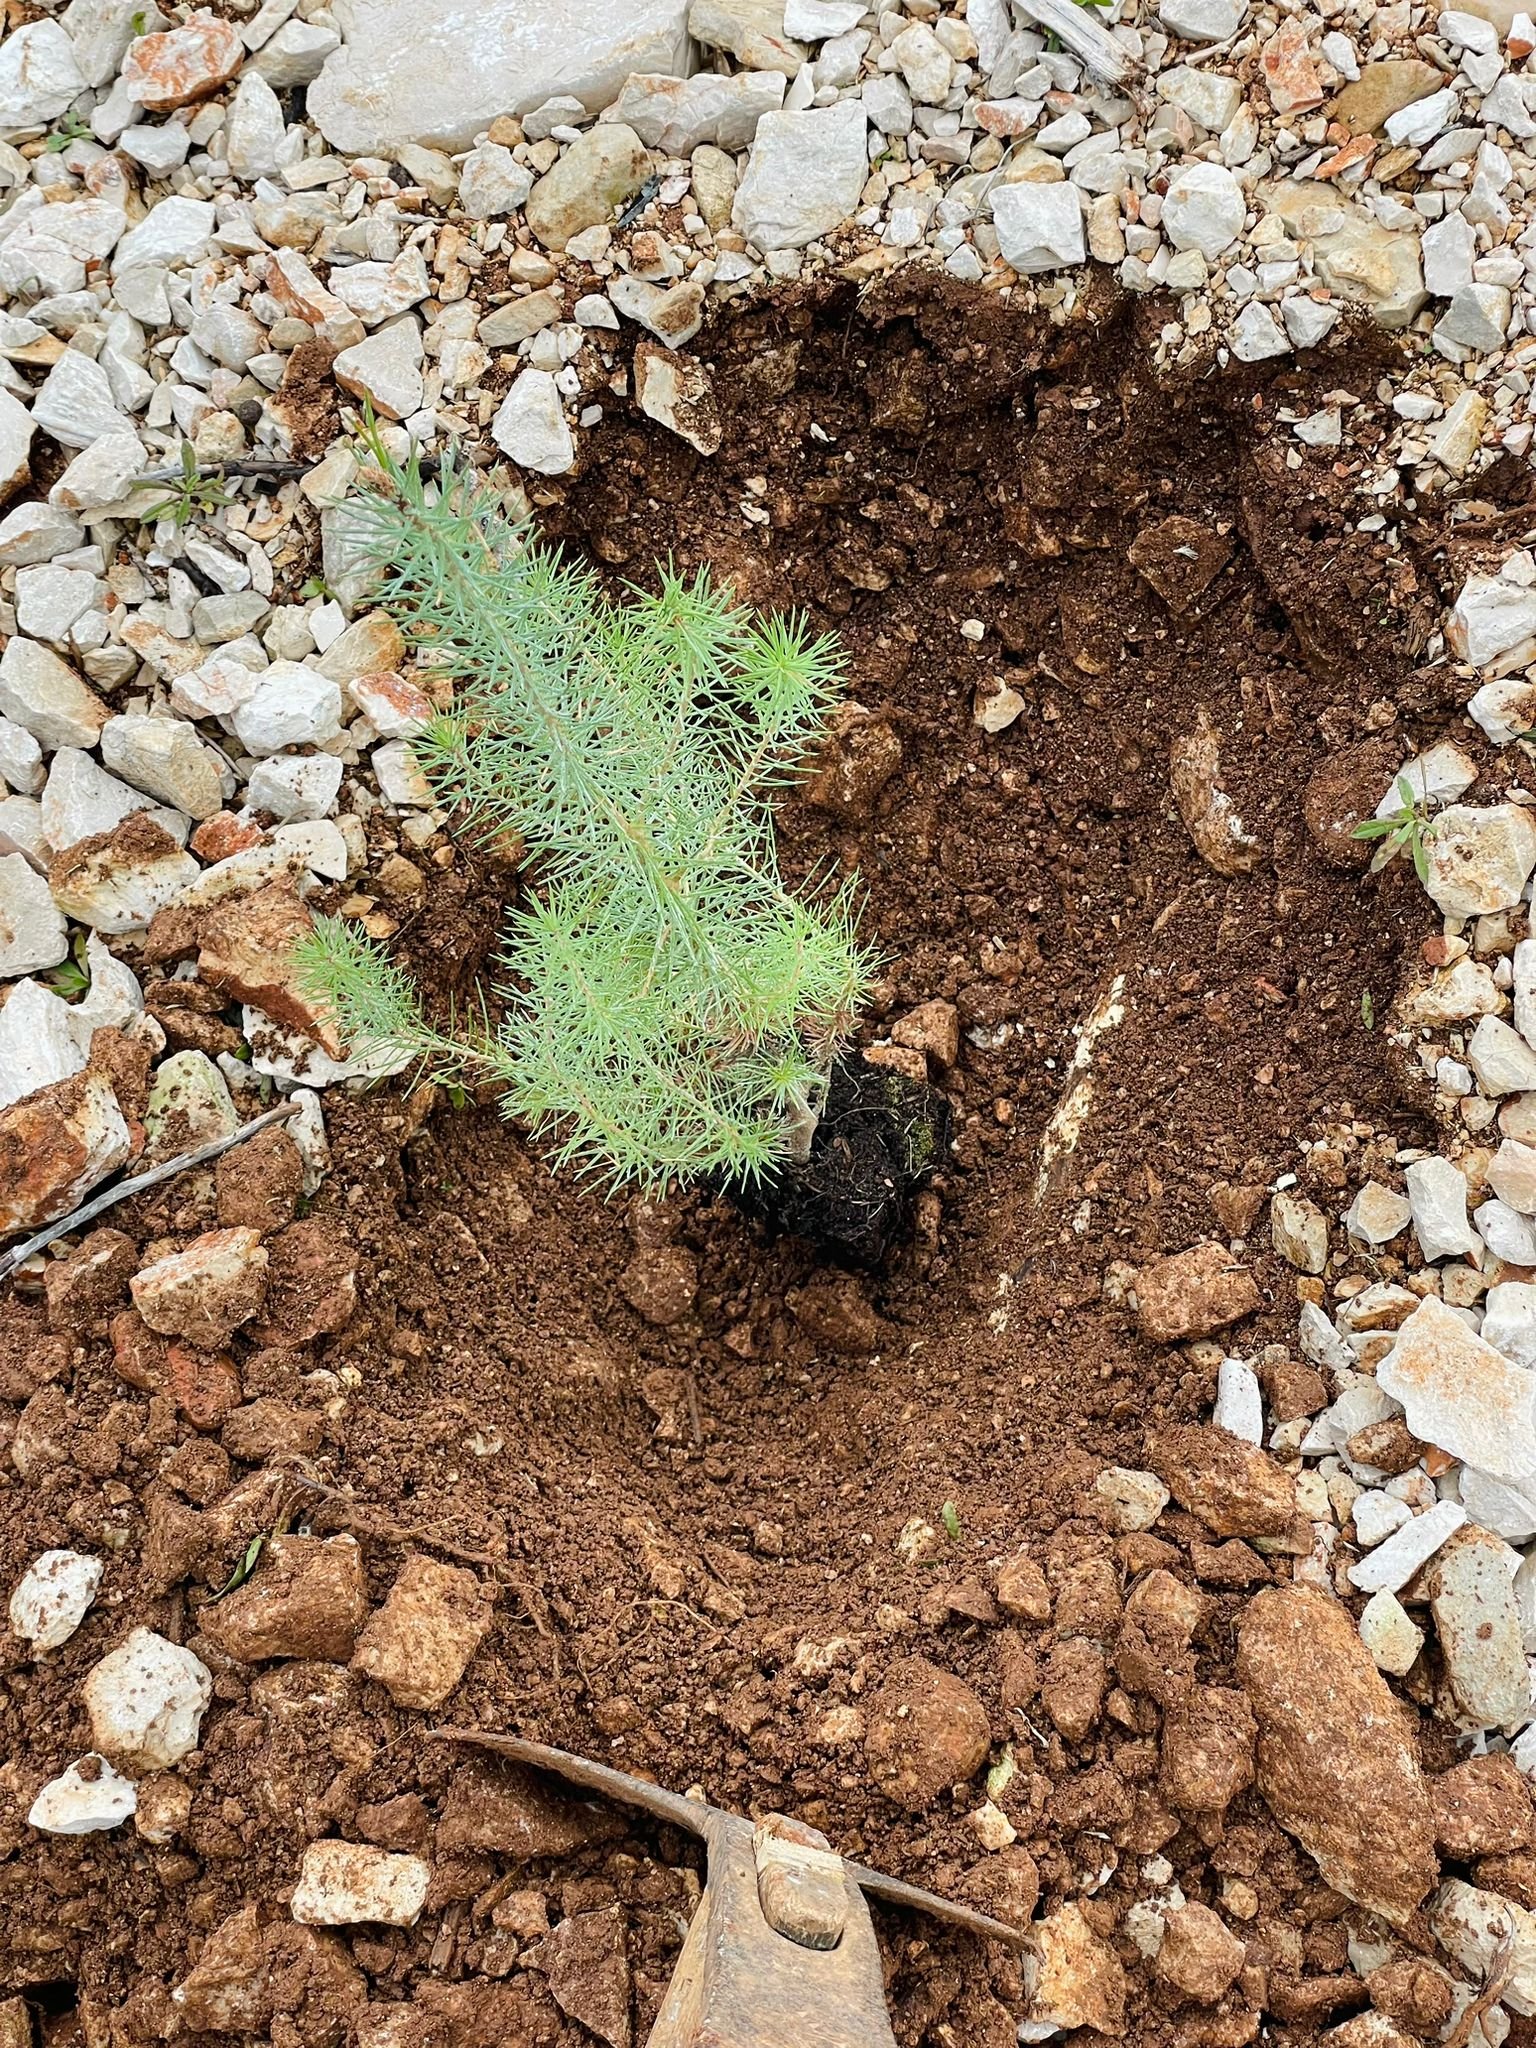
[(165, 757), (1204, 208), (530, 425), (1393, 1563), (888, 105), (1423, 120), (488, 57), (254, 129), (595, 309), (53, 1597), (1505, 707), (33, 934), (114, 996), (81, 799), (35, 532), (1210, 99), (1461, 1395), (1393, 1639), (102, 474), (75, 404), (295, 54), (1509, 1511), (1500, 1058), (39, 1043), (1377, 1515), (675, 115), (812, 21), (15, 443), (803, 177), (675, 315), (1479, 859), (1493, 621), (381, 291), (1039, 227), (1506, 1233), (51, 597), (1476, 318), (385, 368), (146, 1701), (1307, 321), (1449, 248), (342, 1883), (291, 706), (1437, 776), (1437, 1202), (294, 786), (216, 688), (178, 231), (399, 777), (83, 1800), (1202, 21), (1239, 1405), (1472, 1598), (492, 182), (1509, 1321), (21, 759), (39, 77), (1134, 1498), (925, 64), (1256, 335), (1378, 1213), (160, 146)]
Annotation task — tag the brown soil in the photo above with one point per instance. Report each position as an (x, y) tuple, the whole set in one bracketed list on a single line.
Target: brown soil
[(668, 1511)]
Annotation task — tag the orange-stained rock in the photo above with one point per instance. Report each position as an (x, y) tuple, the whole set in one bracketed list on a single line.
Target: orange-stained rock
[(55, 1145), (419, 1643), (306, 1598), (1193, 1293), (204, 1294), (245, 949), (180, 65)]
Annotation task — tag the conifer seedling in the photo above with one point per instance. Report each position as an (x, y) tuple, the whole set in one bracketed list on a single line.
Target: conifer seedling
[(672, 1010)]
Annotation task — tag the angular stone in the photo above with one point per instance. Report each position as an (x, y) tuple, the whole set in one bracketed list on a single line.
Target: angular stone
[(419, 1643), (752, 31), (1473, 1602), (588, 184), (385, 369), (1437, 1202), (530, 425), (1382, 89), (587, 1968), (1473, 1925), (382, 291), (1493, 622), (1204, 209), (55, 1146), (1233, 1487), (83, 1800), (173, 68), (1379, 1213), (489, 58), (33, 933), (1461, 1395), (246, 950), (1395, 1560), (165, 757), (1299, 1230), (675, 115), (146, 1701), (675, 315), (1200, 1956), (307, 1598), (189, 1105), (1393, 1638), (395, 708), (1335, 1762), (116, 881), (1482, 1808), (344, 1883), (1131, 1500), (204, 1294), (291, 706), (1039, 227), (295, 786), (1077, 1979), (1364, 262), (1193, 1293), (53, 1597), (254, 129), (505, 1810), (803, 177), (45, 697), (15, 444)]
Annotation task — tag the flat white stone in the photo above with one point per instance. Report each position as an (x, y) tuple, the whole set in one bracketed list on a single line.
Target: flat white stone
[(1202, 21), (1437, 1200), (33, 934), (84, 1800), (399, 777), (488, 57), (1507, 1234), (803, 177), (35, 532), (53, 1597), (1423, 120), (102, 474), (1504, 707), (254, 129), (344, 1883), (1461, 1395), (492, 183), (146, 1701), (1512, 1175), (1500, 1058), (165, 757), (1377, 1214), (1256, 335), (1390, 1634), (1472, 1598), (21, 759), (1239, 1404), (1307, 320), (385, 368), (812, 21), (530, 425), (1393, 1563), (39, 1043), (81, 799), (675, 115), (1439, 775), (176, 232), (1039, 227), (295, 54), (1508, 1511), (1477, 317), (1493, 621)]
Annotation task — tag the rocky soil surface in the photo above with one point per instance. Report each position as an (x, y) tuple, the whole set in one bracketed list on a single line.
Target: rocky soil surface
[(1149, 1555)]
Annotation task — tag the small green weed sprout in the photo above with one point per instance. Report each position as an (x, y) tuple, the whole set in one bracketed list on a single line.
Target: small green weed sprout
[(672, 1010), (1403, 831), (191, 495)]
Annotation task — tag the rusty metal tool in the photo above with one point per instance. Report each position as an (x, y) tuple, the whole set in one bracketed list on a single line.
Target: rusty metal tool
[(781, 1948)]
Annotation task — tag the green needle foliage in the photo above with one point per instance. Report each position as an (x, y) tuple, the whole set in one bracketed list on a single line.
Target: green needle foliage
[(672, 1009)]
